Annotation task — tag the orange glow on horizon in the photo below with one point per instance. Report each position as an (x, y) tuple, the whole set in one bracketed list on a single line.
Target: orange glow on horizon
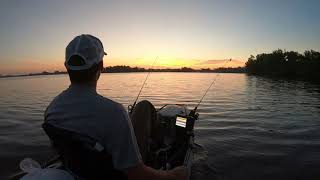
[(51, 65), (26, 67)]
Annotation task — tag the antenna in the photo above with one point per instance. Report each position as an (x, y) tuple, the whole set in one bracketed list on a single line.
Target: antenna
[(214, 80), (131, 107)]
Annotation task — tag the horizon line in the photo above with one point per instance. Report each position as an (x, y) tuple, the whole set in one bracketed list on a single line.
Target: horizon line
[(140, 69)]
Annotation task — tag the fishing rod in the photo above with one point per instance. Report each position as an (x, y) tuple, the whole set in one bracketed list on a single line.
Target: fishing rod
[(193, 112), (131, 107)]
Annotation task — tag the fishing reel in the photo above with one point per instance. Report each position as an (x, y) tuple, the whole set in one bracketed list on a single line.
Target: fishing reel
[(130, 109)]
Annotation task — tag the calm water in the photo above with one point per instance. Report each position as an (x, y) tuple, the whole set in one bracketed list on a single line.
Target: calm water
[(251, 128)]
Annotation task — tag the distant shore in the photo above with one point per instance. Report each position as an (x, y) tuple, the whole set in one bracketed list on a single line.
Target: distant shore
[(128, 69), (33, 74)]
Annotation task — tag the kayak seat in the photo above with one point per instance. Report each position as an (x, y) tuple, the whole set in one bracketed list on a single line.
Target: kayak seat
[(82, 155)]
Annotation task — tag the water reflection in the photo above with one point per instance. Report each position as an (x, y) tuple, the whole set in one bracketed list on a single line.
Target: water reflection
[(252, 127)]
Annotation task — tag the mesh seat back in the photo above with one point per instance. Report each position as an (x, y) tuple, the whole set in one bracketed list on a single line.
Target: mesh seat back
[(81, 154)]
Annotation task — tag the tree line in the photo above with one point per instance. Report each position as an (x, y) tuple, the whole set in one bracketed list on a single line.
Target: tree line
[(281, 63), (125, 69), (117, 69)]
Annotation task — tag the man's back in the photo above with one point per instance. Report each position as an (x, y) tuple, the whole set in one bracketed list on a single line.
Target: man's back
[(82, 110)]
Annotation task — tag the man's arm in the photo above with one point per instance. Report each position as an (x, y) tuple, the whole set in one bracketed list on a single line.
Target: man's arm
[(126, 155), (142, 171)]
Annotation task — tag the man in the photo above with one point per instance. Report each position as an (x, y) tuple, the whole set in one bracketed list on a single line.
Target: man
[(81, 109)]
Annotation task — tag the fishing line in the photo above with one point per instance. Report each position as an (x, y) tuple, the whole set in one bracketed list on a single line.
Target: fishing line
[(131, 107), (213, 82)]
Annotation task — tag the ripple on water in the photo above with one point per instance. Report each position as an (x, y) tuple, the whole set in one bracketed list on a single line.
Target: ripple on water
[(250, 127)]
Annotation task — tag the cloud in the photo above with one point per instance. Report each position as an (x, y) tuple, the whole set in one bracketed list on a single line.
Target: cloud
[(219, 63)]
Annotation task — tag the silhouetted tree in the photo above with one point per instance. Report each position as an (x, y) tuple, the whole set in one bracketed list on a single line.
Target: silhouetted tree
[(282, 63)]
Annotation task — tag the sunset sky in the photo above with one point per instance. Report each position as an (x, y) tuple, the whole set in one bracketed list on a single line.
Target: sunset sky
[(198, 33)]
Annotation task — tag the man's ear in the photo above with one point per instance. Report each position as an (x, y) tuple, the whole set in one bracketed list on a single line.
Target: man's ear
[(101, 65), (100, 69)]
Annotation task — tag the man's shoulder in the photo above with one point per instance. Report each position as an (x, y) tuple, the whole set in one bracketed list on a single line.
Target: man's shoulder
[(115, 108), (58, 98), (104, 101)]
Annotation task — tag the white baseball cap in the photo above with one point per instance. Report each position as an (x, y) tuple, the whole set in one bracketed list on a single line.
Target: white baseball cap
[(88, 47)]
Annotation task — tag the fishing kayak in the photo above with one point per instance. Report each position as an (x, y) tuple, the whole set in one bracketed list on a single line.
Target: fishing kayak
[(172, 143)]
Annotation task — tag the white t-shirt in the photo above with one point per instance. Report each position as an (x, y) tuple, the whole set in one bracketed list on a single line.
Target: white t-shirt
[(82, 110)]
